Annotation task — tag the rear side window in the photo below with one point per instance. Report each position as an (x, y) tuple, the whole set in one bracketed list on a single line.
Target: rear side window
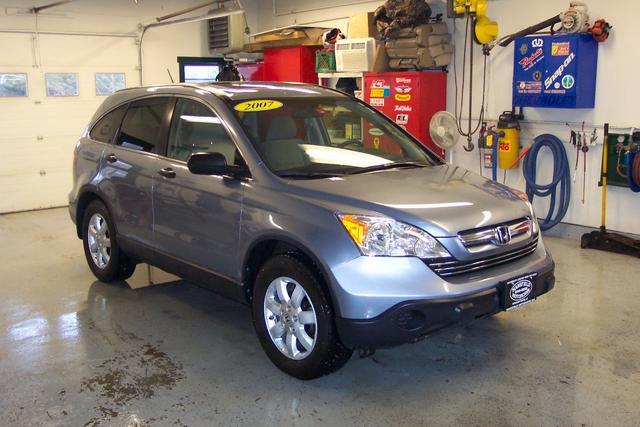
[(142, 125), (105, 129)]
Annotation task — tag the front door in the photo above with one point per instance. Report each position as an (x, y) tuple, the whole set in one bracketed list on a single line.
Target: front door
[(197, 217)]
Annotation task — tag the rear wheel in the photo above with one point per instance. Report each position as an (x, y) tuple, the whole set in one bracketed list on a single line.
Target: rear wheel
[(105, 258), (294, 320)]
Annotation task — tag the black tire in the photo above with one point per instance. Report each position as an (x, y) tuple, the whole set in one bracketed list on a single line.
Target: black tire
[(328, 353), (119, 266)]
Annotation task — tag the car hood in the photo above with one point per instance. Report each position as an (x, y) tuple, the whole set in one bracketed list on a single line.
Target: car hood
[(443, 199)]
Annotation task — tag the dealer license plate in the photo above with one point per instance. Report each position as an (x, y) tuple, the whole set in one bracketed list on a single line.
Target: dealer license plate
[(519, 291)]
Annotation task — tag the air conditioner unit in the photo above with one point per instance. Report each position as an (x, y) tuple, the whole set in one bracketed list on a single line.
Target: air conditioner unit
[(226, 34), (355, 54)]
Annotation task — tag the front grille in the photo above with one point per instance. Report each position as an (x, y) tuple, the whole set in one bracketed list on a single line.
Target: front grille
[(452, 267), (486, 235)]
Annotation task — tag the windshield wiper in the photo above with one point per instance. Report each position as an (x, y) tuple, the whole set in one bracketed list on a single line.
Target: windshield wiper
[(307, 175), (388, 166)]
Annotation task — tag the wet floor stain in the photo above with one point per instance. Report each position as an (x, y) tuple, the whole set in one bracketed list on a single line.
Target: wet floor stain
[(132, 375)]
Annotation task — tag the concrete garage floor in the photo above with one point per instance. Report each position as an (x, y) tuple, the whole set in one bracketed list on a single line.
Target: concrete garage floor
[(74, 351)]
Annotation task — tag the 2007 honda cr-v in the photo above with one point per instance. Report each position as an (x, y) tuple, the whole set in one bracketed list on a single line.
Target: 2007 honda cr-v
[(339, 228)]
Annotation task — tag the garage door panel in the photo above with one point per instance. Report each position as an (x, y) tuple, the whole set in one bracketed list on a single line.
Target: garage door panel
[(38, 133), (16, 56), (27, 156), (25, 191), (40, 127), (61, 112), (91, 52)]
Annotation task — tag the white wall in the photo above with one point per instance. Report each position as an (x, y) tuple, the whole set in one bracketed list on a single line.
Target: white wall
[(38, 132), (309, 12), (619, 60)]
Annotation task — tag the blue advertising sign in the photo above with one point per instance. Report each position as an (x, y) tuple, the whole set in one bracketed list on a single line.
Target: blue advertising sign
[(555, 71)]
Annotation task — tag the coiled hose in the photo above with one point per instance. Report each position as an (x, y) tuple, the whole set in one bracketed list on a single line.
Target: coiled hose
[(559, 189), (633, 171)]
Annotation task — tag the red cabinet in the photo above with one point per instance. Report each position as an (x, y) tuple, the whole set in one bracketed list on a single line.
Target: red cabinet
[(291, 64), (251, 71), (410, 99)]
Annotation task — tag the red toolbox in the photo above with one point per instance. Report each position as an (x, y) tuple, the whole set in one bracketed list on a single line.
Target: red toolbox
[(290, 64), (410, 99)]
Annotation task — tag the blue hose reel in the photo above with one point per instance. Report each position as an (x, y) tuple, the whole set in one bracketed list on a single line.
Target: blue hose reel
[(559, 189), (633, 185)]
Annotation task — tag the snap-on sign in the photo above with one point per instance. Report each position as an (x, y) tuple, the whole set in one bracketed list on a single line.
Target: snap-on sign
[(555, 71)]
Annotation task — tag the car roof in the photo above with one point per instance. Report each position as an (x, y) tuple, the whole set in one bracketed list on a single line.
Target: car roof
[(228, 91), (240, 91)]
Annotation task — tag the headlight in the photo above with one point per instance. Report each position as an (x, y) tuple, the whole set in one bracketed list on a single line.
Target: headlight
[(523, 196), (382, 236)]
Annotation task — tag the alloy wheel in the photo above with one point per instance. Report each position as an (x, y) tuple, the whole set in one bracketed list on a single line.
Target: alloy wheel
[(290, 318), (99, 240)]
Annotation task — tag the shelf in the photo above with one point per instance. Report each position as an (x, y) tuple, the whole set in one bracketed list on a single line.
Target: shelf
[(339, 75)]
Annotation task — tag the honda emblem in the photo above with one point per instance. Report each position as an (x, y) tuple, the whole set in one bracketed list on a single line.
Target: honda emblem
[(501, 235)]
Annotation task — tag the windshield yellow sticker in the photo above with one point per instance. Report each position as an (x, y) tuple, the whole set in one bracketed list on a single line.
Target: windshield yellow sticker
[(258, 105)]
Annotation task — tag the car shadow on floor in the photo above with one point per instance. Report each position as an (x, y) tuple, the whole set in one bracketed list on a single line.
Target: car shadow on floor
[(170, 312), (164, 341)]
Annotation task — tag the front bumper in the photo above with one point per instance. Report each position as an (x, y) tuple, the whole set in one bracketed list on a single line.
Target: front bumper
[(411, 320)]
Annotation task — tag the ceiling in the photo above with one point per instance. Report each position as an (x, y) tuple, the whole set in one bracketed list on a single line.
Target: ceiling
[(140, 10)]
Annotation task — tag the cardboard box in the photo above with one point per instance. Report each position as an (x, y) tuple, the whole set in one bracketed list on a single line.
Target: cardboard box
[(286, 37), (361, 25), (380, 60)]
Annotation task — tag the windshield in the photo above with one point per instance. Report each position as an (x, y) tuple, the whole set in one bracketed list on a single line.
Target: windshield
[(320, 137)]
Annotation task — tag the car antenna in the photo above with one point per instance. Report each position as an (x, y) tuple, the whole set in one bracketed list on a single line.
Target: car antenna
[(170, 76)]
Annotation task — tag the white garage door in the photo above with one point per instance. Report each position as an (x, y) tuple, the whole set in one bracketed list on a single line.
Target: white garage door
[(38, 132)]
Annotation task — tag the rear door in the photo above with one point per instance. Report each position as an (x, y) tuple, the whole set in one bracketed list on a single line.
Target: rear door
[(131, 165), (197, 217)]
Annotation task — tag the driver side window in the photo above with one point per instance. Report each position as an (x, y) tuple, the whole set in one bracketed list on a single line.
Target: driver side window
[(197, 129)]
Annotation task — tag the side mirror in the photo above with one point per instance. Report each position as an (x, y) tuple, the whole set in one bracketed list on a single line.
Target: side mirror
[(214, 164)]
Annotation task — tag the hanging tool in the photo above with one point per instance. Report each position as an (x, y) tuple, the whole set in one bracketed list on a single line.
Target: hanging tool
[(494, 135), (484, 31), (573, 20), (585, 148), (603, 239), (483, 148), (578, 145), (594, 137), (573, 138)]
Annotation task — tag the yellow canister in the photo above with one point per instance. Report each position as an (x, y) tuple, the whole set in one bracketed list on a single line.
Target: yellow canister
[(509, 144)]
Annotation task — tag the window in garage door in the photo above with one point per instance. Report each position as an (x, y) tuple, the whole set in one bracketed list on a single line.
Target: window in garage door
[(106, 128), (143, 123)]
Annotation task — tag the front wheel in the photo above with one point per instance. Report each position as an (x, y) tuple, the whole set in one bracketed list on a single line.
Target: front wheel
[(105, 258), (294, 320)]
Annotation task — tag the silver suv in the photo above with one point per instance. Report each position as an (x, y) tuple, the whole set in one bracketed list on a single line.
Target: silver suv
[(339, 229)]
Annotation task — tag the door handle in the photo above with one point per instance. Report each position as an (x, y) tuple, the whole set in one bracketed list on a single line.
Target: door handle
[(167, 172), (111, 158)]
